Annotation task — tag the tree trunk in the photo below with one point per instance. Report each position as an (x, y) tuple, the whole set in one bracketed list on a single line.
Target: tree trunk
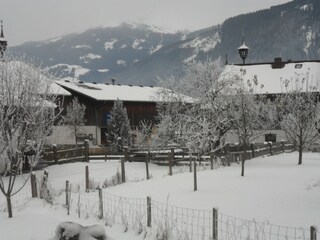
[(9, 206), (75, 135), (244, 158), (300, 148)]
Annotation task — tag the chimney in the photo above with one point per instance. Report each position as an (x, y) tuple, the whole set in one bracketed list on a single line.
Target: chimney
[(113, 81), (278, 63)]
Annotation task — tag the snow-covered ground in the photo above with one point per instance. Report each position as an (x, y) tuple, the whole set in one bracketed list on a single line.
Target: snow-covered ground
[(275, 190)]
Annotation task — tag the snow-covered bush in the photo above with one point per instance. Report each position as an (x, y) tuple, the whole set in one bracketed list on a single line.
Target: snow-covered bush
[(75, 231)]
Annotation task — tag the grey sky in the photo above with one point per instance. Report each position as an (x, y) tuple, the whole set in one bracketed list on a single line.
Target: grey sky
[(26, 20)]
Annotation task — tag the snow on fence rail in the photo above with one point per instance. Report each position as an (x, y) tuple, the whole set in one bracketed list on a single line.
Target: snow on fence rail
[(178, 222)]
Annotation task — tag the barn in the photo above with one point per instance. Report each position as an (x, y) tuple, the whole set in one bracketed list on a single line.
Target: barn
[(140, 102)]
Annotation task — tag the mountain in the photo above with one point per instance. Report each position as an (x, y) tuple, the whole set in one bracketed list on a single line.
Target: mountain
[(98, 54), (140, 54)]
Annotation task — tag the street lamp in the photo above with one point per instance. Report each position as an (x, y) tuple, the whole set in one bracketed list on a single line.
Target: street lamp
[(243, 51)]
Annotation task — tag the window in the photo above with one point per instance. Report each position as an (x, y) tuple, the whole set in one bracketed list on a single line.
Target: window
[(270, 137)]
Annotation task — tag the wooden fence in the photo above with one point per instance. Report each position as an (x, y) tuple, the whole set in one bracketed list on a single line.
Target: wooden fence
[(164, 156)]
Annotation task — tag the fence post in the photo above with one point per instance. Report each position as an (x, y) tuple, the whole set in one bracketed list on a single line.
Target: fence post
[(148, 211), (215, 224), (190, 162), (313, 233), (171, 156), (147, 164), (126, 154), (252, 150), (43, 187), (87, 178), (228, 153), (34, 192), (282, 145), (86, 150), (270, 147), (195, 185), (123, 171), (211, 160), (67, 197), (55, 153), (100, 216)]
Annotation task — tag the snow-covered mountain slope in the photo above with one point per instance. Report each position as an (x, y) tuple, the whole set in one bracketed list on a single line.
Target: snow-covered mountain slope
[(140, 54), (98, 54)]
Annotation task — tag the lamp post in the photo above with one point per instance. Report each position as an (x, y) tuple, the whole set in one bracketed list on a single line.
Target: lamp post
[(243, 51), (3, 42)]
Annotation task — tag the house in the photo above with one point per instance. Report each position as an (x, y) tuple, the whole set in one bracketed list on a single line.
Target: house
[(274, 75), (140, 102), (276, 78)]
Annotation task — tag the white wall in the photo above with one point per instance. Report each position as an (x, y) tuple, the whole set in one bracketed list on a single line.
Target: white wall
[(64, 134)]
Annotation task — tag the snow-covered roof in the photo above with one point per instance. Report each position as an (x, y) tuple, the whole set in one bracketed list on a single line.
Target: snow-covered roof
[(54, 88), (305, 75), (110, 92)]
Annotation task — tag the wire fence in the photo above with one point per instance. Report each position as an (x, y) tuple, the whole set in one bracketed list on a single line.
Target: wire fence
[(173, 222)]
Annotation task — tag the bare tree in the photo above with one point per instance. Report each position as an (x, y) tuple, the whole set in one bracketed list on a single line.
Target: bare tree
[(299, 111), (75, 116), (144, 134), (251, 112), (27, 114), (201, 123)]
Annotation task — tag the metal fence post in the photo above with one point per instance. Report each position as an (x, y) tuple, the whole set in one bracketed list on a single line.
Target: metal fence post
[(149, 211), (215, 224)]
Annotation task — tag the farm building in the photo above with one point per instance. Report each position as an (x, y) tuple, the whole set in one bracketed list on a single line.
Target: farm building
[(140, 102), (276, 78)]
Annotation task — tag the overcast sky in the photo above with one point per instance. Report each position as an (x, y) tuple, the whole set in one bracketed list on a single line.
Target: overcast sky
[(26, 20)]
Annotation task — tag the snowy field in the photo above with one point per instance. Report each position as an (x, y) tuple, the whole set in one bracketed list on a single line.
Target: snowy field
[(274, 190)]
